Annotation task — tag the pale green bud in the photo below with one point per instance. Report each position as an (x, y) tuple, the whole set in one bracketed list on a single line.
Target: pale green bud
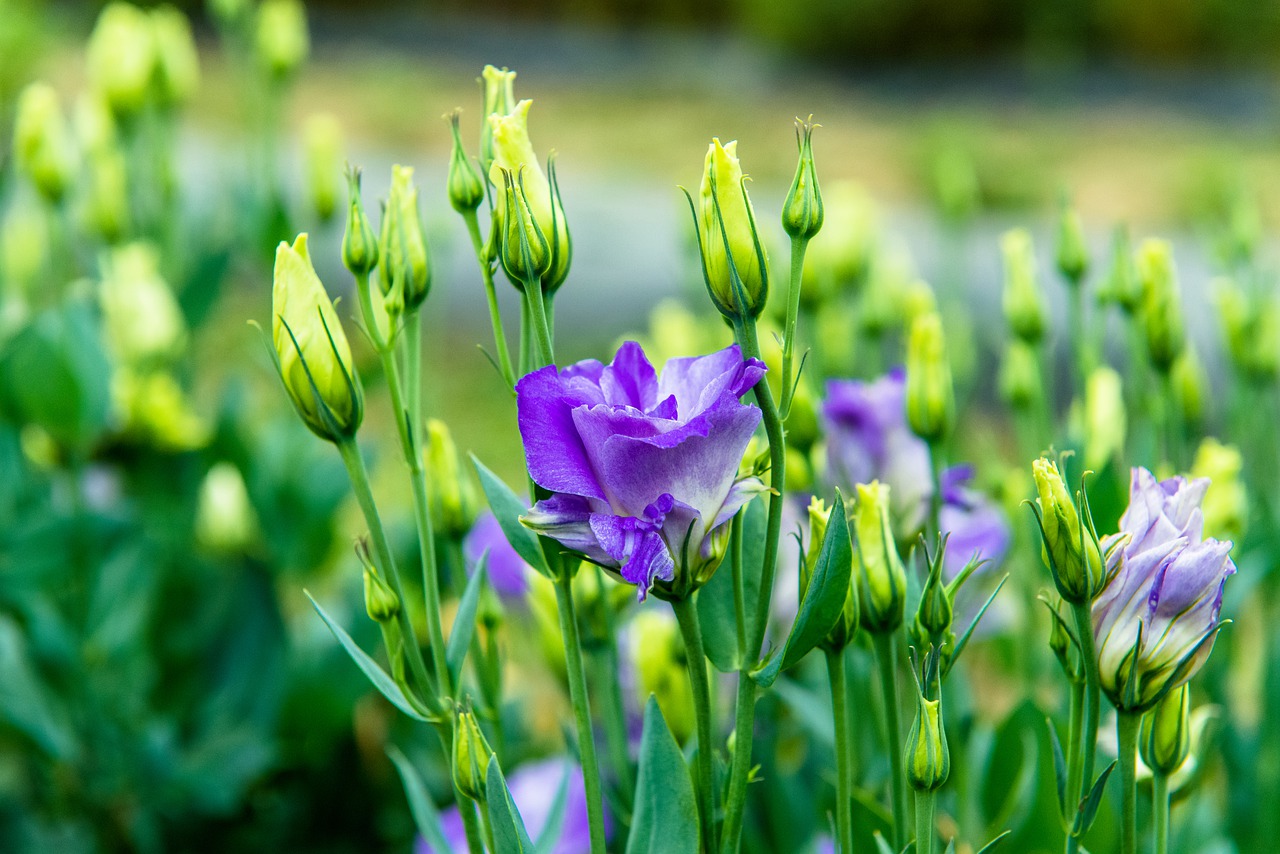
[(1020, 383), (917, 299), (24, 245), (881, 578), (42, 142), (522, 247), (1226, 503), (1073, 252), (734, 264), (802, 212), (928, 759), (471, 755), (359, 243), (177, 63), (452, 500), (930, 397), (1165, 738), (1105, 423), (228, 12), (1023, 305), (846, 625), (402, 245), (1062, 645), (500, 99), (658, 656), (225, 521), (803, 428), (936, 611), (1071, 546), (153, 408), (141, 318), (314, 356), (466, 187), (281, 40), (122, 57), (380, 602), (322, 159), (1161, 306)]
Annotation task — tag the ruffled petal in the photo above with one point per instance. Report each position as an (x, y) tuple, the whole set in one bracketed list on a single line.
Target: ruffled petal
[(554, 451)]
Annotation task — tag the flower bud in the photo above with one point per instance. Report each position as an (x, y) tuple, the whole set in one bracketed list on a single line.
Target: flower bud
[(881, 578), (24, 247), (1226, 503), (1023, 306), (1105, 423), (322, 155), (955, 183), (936, 611), (917, 299), (1189, 382), (453, 503), (177, 63), (281, 40), (1073, 253), (121, 60), (225, 520), (1020, 383), (359, 243), (42, 143), (466, 187), (1070, 544), (1062, 644), (1161, 308), (314, 357), (141, 318), (1122, 284), (734, 264), (657, 653), (930, 397), (523, 248), (471, 755), (1165, 738), (927, 759), (802, 213), (846, 625), (803, 428), (380, 602), (402, 246), (106, 185), (499, 98)]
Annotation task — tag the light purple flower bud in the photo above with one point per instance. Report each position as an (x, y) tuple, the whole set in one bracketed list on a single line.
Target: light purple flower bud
[(643, 467), (1163, 592)]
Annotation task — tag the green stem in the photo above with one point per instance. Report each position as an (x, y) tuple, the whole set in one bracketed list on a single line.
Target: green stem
[(798, 247), (1074, 769), (844, 765), (1160, 812), (886, 658), (687, 615), (743, 733), (413, 374), (544, 351), (495, 315), (925, 833), (581, 709), (488, 829), (935, 497), (526, 336), (359, 478), (739, 596), (1092, 696), (1127, 744)]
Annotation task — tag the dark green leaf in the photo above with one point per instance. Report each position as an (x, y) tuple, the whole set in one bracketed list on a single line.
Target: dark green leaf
[(509, 834), (1089, 809), (666, 814), (425, 816), (464, 624), (508, 508), (993, 844)]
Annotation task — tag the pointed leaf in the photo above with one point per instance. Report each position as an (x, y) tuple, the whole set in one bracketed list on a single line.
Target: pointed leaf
[(425, 816), (464, 624), (964, 639), (716, 611), (384, 683), (882, 847), (666, 815), (509, 834), (508, 508), (1059, 768), (1089, 808), (951, 846), (991, 846)]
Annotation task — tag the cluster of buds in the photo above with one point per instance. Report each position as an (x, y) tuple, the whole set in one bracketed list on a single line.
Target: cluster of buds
[(138, 58)]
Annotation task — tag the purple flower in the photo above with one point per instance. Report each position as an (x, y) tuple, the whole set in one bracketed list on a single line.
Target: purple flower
[(533, 788), (976, 526), (508, 573), (1162, 594), (643, 468)]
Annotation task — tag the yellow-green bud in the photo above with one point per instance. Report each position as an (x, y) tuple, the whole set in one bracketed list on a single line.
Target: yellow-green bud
[(802, 213), (225, 520), (935, 611), (734, 264), (228, 12), (282, 41), (522, 247), (359, 243), (141, 317), (380, 602), (1161, 308), (402, 245), (452, 501), (1165, 738), (177, 63), (1071, 548), (24, 245), (322, 156), (803, 428), (466, 187), (1061, 644), (917, 299), (471, 755), (500, 99), (315, 359), (513, 152), (1020, 383), (106, 198), (1023, 306), (122, 57), (881, 578), (1105, 423), (1122, 284), (931, 402), (658, 655), (1073, 253), (1226, 503), (42, 142), (928, 760)]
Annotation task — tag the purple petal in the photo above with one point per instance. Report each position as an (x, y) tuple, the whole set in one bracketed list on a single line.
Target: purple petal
[(636, 545), (567, 519), (630, 380), (697, 382), (554, 452)]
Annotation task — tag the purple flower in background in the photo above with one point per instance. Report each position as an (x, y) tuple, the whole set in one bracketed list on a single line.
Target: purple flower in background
[(868, 439), (976, 526), (643, 468), (508, 573), (1163, 592), (533, 788)]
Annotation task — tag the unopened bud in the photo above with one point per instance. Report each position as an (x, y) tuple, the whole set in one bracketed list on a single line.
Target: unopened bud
[(930, 396), (928, 759), (282, 40), (1073, 253), (523, 248), (452, 501), (1020, 383), (1023, 306), (121, 57), (1122, 284), (1161, 308), (802, 214), (1061, 644), (1226, 503), (1070, 544), (466, 187), (734, 264), (1189, 384), (935, 612), (881, 577), (1105, 422), (499, 99), (402, 245), (177, 63), (471, 754), (380, 601), (1165, 738), (359, 243), (322, 154), (42, 142)]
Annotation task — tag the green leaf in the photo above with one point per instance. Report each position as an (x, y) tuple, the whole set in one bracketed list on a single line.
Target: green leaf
[(508, 508), (24, 700), (1089, 808), (1059, 768), (716, 613), (554, 826), (883, 847), (385, 685), (509, 834), (464, 624), (823, 600), (993, 844), (666, 815), (425, 815)]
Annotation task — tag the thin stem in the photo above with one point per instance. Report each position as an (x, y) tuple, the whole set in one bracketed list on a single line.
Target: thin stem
[(526, 336), (544, 351), (798, 247), (495, 315), (359, 478), (488, 829), (1092, 696), (1127, 744), (1160, 811), (885, 656), (581, 709), (1074, 769), (844, 765), (413, 374), (1079, 346), (925, 833), (739, 597), (744, 730), (687, 615), (935, 497)]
